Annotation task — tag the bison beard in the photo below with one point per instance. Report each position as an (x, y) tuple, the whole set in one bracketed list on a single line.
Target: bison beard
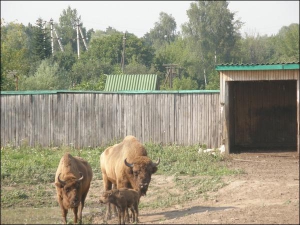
[(126, 165)]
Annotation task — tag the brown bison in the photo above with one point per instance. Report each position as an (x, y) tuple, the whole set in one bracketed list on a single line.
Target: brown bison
[(126, 165), (123, 199), (72, 181)]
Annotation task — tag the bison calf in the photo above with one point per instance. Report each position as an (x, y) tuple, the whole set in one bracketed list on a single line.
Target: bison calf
[(123, 199)]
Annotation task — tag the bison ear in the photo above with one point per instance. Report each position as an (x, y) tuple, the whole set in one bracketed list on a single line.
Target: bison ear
[(154, 169)]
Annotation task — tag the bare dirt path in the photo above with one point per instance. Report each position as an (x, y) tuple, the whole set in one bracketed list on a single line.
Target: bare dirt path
[(268, 193)]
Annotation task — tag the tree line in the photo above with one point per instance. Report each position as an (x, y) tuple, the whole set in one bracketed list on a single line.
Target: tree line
[(211, 36)]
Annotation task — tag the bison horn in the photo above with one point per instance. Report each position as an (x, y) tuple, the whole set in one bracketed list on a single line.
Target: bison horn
[(128, 164), (80, 177), (157, 163), (61, 181)]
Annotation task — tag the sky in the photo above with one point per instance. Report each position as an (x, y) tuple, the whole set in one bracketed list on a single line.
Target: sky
[(138, 17)]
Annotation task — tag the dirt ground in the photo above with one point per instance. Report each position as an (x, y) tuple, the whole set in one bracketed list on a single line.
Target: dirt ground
[(268, 193)]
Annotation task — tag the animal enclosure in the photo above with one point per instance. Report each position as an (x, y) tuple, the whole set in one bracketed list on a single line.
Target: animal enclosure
[(264, 114), (260, 106), (83, 119)]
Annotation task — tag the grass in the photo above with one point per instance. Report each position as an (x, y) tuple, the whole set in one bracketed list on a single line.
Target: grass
[(27, 173), (186, 160)]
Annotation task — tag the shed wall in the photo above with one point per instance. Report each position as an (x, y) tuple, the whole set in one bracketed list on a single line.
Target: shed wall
[(257, 75), (264, 114)]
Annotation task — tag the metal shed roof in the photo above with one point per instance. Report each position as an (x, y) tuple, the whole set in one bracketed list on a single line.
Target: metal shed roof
[(267, 66), (131, 82)]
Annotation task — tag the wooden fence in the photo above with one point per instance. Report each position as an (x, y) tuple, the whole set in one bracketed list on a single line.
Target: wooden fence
[(83, 119)]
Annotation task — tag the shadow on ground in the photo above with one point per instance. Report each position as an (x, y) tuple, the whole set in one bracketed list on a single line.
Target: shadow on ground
[(181, 213)]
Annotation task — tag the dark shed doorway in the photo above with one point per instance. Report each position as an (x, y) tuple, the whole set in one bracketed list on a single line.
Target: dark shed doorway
[(263, 115)]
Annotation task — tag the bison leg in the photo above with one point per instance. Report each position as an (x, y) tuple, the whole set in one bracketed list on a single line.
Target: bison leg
[(114, 207), (64, 213), (107, 186), (135, 207), (81, 206), (133, 214), (122, 215), (127, 217), (75, 211)]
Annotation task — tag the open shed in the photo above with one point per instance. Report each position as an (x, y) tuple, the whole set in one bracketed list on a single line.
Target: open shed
[(260, 107)]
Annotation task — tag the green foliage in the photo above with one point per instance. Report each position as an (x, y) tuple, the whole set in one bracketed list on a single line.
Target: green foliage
[(210, 35), (256, 49), (206, 40), (89, 70), (45, 78), (137, 68), (287, 44), (181, 84), (65, 59), (67, 27), (214, 81), (92, 85), (13, 54), (108, 49), (109, 31), (41, 45), (164, 31)]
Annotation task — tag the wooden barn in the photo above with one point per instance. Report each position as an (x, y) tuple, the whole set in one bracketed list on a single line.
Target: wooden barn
[(260, 107)]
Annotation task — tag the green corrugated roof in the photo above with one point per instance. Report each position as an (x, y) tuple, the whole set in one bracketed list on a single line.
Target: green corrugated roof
[(131, 82), (271, 66)]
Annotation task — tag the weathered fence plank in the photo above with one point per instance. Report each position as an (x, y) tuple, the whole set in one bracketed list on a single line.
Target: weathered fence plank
[(94, 119)]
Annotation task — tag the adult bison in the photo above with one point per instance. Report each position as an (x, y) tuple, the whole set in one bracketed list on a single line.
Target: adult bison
[(126, 165), (72, 181)]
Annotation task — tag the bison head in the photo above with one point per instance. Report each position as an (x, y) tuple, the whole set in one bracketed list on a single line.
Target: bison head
[(141, 169), (108, 196), (70, 190)]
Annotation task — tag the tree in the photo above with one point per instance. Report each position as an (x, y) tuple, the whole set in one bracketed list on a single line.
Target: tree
[(41, 46), (137, 68), (108, 49), (164, 31), (45, 78), (256, 49), (109, 31), (89, 70), (138, 51), (14, 54), (212, 33), (65, 59), (214, 81), (287, 43), (67, 27), (181, 84), (29, 30), (176, 52)]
